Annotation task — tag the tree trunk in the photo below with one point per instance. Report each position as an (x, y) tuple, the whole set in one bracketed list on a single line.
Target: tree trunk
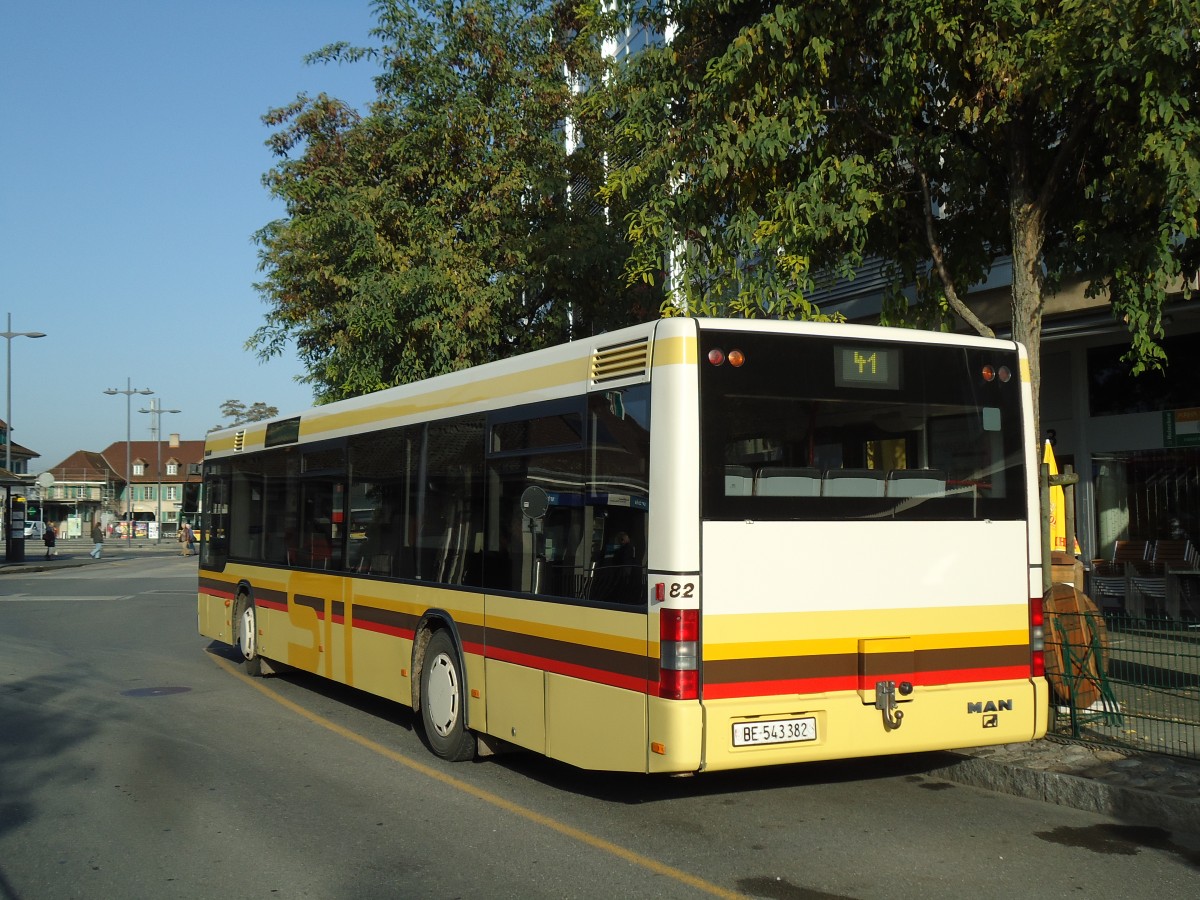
[(1027, 221), (1027, 309)]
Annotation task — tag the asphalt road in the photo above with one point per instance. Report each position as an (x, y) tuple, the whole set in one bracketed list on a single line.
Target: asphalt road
[(135, 761)]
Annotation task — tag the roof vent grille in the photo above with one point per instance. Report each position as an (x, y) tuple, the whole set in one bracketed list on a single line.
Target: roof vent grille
[(239, 441), (631, 360)]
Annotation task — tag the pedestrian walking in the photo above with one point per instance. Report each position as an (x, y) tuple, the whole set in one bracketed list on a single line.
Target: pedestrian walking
[(187, 538), (50, 538), (97, 540)]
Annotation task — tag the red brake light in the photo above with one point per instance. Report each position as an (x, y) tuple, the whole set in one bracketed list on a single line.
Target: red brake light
[(679, 654), (679, 625), (1037, 638), (674, 684)]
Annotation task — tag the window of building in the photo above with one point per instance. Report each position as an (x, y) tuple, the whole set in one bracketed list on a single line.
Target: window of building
[(1113, 390), (1145, 495), (171, 492), (172, 468), (139, 468)]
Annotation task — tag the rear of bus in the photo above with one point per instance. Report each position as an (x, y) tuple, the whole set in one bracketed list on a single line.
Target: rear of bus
[(869, 580)]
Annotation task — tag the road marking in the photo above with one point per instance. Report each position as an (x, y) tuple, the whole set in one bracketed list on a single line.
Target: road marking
[(27, 598), (583, 837)]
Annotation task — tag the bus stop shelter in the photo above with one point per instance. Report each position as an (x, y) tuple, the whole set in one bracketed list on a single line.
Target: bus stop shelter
[(13, 486)]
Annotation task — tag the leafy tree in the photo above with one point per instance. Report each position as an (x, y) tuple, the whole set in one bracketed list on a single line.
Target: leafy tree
[(240, 414), (791, 142), (452, 223)]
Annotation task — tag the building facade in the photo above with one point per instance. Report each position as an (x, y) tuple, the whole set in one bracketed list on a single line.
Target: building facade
[(163, 488)]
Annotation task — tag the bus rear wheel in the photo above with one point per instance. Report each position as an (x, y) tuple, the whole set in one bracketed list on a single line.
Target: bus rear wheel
[(247, 637), (443, 701)]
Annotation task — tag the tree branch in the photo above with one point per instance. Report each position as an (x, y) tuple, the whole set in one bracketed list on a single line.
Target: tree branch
[(939, 264)]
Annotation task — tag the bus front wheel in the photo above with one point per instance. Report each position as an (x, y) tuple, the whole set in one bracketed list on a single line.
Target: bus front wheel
[(247, 640), (443, 700)]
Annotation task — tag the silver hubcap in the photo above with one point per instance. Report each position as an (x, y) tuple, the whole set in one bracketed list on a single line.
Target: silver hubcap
[(442, 699), (246, 633)]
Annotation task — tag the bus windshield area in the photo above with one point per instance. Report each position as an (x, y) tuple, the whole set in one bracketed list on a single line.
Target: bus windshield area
[(819, 428)]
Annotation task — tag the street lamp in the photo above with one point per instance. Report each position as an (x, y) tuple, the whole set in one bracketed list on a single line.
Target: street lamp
[(128, 392), (157, 412), (8, 336)]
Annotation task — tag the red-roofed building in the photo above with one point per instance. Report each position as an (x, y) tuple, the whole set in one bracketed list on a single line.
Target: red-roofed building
[(90, 486)]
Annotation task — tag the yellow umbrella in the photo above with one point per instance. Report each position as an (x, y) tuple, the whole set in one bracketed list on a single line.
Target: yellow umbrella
[(1058, 507)]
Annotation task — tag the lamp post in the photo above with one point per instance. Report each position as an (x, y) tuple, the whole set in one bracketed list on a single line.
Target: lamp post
[(8, 336), (155, 429), (128, 392)]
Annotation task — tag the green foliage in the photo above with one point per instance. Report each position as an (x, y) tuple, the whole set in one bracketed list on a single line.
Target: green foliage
[(239, 414), (450, 224), (776, 146)]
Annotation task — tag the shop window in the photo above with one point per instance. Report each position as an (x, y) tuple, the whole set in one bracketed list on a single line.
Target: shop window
[(1114, 390), (1146, 495)]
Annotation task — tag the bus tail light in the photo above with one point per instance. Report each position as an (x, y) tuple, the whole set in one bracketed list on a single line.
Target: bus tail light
[(679, 654), (1037, 638)]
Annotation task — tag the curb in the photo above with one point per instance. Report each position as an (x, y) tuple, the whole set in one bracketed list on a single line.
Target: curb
[(1129, 804)]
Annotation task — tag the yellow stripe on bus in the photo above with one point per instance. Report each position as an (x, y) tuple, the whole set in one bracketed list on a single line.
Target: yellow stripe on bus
[(834, 625), (680, 351), (478, 391), (318, 422), (764, 649)]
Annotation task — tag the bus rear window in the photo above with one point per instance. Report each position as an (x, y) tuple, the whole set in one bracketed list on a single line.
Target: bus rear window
[(813, 428)]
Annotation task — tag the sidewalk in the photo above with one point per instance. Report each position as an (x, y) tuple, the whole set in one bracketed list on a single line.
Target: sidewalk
[(1138, 789), (73, 552)]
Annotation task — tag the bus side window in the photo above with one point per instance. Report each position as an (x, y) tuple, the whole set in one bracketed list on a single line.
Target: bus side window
[(618, 495), (451, 502)]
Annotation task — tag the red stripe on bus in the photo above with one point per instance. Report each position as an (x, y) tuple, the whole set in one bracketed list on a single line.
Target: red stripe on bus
[(994, 673), (380, 628), (558, 667), (732, 690)]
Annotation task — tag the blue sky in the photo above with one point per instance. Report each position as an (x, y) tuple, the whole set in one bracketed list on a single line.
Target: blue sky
[(131, 153)]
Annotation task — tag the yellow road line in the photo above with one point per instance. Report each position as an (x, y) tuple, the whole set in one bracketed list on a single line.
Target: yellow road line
[(583, 837)]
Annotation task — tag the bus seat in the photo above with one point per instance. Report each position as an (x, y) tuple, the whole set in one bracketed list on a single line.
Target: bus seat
[(739, 481), (779, 482), (916, 483), (853, 483), (376, 564)]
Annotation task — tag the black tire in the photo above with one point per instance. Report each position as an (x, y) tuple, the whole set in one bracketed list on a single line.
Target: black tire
[(246, 631), (443, 701)]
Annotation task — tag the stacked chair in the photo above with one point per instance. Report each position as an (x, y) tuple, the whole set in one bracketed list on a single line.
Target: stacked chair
[(1107, 585), (1136, 579)]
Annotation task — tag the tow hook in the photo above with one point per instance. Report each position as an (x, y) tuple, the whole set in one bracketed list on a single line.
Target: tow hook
[(885, 701)]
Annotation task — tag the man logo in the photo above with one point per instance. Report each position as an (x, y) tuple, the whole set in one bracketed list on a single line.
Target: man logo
[(989, 706), (991, 721)]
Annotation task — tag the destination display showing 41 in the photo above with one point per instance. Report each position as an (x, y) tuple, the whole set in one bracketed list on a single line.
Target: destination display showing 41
[(868, 367)]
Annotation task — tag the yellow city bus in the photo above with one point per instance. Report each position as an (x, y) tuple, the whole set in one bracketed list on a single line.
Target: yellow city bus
[(684, 546)]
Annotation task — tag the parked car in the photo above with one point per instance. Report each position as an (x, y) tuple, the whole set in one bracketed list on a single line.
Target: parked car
[(34, 529)]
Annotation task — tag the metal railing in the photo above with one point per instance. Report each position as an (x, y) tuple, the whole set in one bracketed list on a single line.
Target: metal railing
[(1127, 682)]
